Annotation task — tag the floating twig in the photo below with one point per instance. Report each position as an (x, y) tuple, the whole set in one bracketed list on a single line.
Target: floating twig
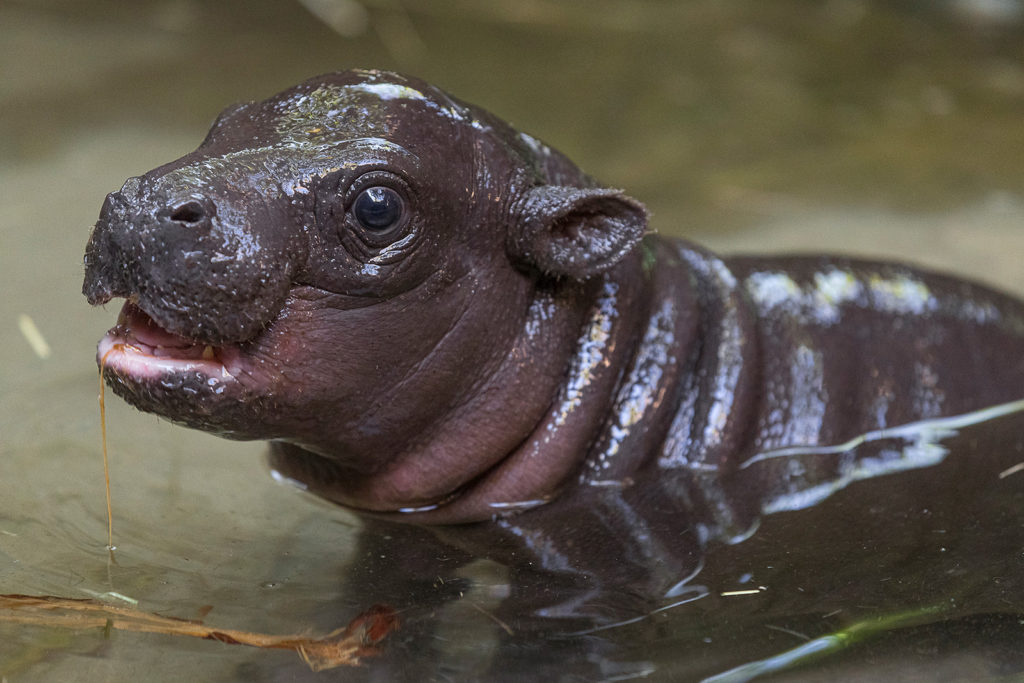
[(343, 647)]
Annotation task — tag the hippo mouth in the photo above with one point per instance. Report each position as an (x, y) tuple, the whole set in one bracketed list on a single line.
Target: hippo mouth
[(139, 348)]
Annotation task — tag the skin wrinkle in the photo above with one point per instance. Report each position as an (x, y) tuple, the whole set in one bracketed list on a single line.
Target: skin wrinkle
[(415, 371), (533, 471), (449, 331), (476, 421), (313, 299), (364, 254)]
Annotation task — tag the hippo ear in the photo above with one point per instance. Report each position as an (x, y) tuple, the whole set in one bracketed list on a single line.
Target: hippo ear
[(575, 232)]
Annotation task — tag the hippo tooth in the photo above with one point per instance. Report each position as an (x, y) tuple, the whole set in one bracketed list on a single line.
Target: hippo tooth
[(208, 352)]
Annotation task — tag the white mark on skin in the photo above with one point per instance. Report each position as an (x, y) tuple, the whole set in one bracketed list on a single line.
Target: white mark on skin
[(535, 145), (834, 287), (773, 290), (927, 398), (821, 302), (293, 186), (542, 309), (131, 186), (389, 91), (679, 442), (394, 91), (392, 249), (649, 365), (880, 407), (901, 295), (730, 362), (809, 397), (592, 351), (980, 312)]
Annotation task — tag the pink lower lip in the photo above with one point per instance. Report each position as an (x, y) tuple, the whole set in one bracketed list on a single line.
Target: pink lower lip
[(139, 348)]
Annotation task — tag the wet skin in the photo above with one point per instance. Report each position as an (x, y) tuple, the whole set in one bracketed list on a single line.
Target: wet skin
[(437, 319)]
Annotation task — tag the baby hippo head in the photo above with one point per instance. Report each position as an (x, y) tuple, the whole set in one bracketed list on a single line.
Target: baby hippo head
[(340, 266)]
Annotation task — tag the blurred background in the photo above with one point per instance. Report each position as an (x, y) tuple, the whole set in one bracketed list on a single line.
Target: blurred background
[(889, 128)]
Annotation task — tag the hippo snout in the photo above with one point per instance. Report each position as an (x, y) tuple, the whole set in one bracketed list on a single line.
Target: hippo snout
[(198, 265)]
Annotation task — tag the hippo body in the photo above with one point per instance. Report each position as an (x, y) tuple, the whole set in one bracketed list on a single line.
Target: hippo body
[(437, 319)]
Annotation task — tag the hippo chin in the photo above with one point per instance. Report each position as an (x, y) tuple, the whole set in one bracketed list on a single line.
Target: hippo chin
[(437, 318)]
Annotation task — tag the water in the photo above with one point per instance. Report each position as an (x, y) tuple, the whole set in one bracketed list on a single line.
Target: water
[(916, 573), (887, 129)]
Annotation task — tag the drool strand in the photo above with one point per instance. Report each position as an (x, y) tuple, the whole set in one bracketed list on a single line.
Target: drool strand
[(106, 462)]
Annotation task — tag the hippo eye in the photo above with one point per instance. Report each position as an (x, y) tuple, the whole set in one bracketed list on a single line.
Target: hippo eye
[(378, 208)]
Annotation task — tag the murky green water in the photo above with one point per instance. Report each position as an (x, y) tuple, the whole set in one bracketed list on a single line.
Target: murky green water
[(891, 129)]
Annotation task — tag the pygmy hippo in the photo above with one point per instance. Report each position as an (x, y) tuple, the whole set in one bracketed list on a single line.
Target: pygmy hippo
[(434, 317)]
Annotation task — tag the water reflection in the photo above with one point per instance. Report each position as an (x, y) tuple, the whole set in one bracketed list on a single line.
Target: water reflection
[(615, 583)]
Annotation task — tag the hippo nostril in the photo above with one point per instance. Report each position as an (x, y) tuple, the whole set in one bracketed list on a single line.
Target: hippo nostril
[(189, 212)]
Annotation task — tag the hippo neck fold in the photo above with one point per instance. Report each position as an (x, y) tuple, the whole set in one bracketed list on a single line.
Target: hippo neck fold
[(656, 371), (663, 372)]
